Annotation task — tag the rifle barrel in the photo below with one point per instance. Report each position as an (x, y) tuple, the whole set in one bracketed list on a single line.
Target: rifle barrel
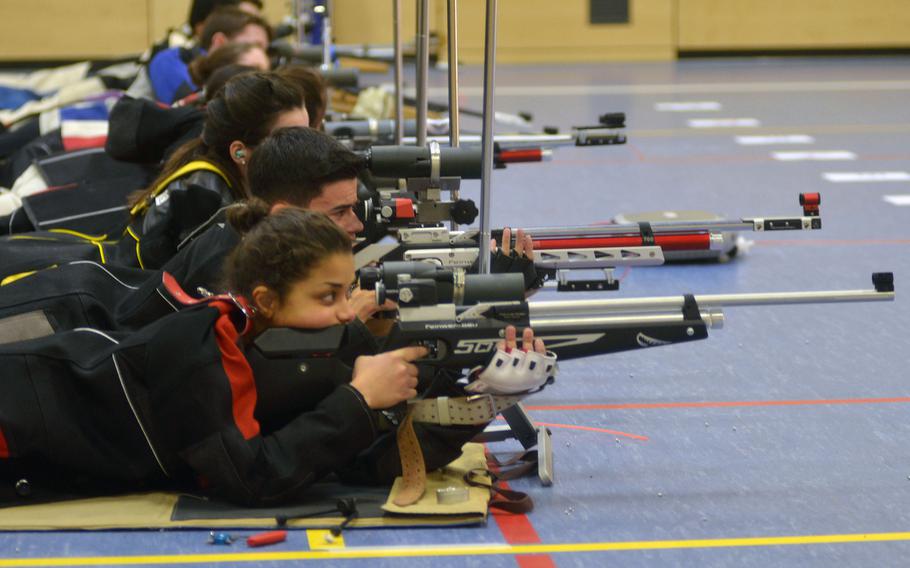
[(580, 307), (713, 318)]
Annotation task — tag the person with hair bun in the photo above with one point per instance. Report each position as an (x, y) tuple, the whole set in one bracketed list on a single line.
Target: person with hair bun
[(179, 404)]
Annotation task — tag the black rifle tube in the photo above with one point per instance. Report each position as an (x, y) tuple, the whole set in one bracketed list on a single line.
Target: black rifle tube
[(414, 162), (450, 285), (341, 78)]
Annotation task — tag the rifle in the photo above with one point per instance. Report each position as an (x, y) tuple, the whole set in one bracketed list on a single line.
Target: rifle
[(559, 249), (462, 321), (362, 134), (460, 318)]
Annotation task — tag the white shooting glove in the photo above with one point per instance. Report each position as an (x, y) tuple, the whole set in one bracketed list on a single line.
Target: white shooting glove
[(514, 372)]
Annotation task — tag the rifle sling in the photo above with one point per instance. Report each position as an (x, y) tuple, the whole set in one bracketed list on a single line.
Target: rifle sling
[(445, 411)]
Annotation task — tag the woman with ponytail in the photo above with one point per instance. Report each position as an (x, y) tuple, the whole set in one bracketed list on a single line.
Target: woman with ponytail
[(200, 178), (209, 173)]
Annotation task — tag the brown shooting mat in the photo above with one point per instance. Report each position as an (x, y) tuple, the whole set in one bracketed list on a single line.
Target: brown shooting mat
[(173, 510)]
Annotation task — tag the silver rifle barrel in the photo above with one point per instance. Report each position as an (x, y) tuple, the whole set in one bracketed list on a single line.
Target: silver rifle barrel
[(423, 68), (587, 307), (713, 226), (510, 141), (489, 78), (454, 122), (542, 326), (399, 77)]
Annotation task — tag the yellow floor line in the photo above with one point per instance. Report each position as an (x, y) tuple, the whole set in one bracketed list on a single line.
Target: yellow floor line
[(459, 550), (321, 539)]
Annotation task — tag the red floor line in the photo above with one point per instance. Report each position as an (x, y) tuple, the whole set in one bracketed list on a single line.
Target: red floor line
[(719, 404), (592, 429), (517, 529)]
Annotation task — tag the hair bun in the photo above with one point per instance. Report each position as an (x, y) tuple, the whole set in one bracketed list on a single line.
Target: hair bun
[(246, 214)]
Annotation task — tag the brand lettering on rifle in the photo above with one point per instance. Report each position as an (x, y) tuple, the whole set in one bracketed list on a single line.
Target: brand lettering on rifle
[(469, 346), (646, 341)]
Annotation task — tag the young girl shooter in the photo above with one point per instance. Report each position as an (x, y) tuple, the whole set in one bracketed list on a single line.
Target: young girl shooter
[(179, 405)]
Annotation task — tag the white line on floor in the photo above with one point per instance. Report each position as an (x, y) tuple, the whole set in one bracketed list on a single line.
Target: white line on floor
[(862, 177), (774, 140), (823, 156), (687, 106), (902, 200), (723, 123)]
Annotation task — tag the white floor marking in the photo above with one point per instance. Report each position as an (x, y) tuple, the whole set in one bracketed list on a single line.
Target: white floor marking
[(687, 106), (774, 140), (823, 156), (723, 122), (902, 200), (860, 177)]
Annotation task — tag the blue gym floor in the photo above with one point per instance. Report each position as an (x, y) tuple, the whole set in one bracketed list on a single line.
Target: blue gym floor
[(780, 440)]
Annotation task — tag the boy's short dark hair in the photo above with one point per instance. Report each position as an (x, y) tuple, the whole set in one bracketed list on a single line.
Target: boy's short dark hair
[(230, 21), (293, 165), (200, 9)]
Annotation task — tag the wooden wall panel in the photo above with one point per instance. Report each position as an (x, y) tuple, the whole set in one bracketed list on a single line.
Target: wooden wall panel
[(72, 29), (545, 31), (793, 24), (370, 21), (167, 14)]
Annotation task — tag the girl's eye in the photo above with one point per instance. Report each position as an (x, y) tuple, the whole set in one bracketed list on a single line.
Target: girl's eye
[(328, 299)]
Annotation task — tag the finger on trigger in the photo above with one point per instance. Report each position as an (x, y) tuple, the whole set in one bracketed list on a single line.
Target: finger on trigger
[(413, 352)]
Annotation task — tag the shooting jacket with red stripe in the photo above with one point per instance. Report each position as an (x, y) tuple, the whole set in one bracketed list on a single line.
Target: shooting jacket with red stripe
[(176, 404)]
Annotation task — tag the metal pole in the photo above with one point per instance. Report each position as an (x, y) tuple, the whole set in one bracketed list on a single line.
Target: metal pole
[(489, 67), (327, 36), (454, 123), (423, 68), (298, 20), (399, 80)]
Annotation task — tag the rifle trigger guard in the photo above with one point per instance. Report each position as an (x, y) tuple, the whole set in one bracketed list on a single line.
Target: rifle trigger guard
[(690, 309)]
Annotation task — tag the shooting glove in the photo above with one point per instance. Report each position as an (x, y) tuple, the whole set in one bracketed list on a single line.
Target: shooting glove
[(514, 371), (513, 262)]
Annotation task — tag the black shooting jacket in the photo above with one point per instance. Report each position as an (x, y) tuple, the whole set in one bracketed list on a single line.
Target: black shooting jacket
[(181, 205), (177, 404)]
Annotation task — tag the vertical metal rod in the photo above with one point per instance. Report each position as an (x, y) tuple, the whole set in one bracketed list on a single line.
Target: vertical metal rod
[(399, 77), (327, 36), (489, 72), (298, 21), (423, 68), (454, 124), (454, 128)]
